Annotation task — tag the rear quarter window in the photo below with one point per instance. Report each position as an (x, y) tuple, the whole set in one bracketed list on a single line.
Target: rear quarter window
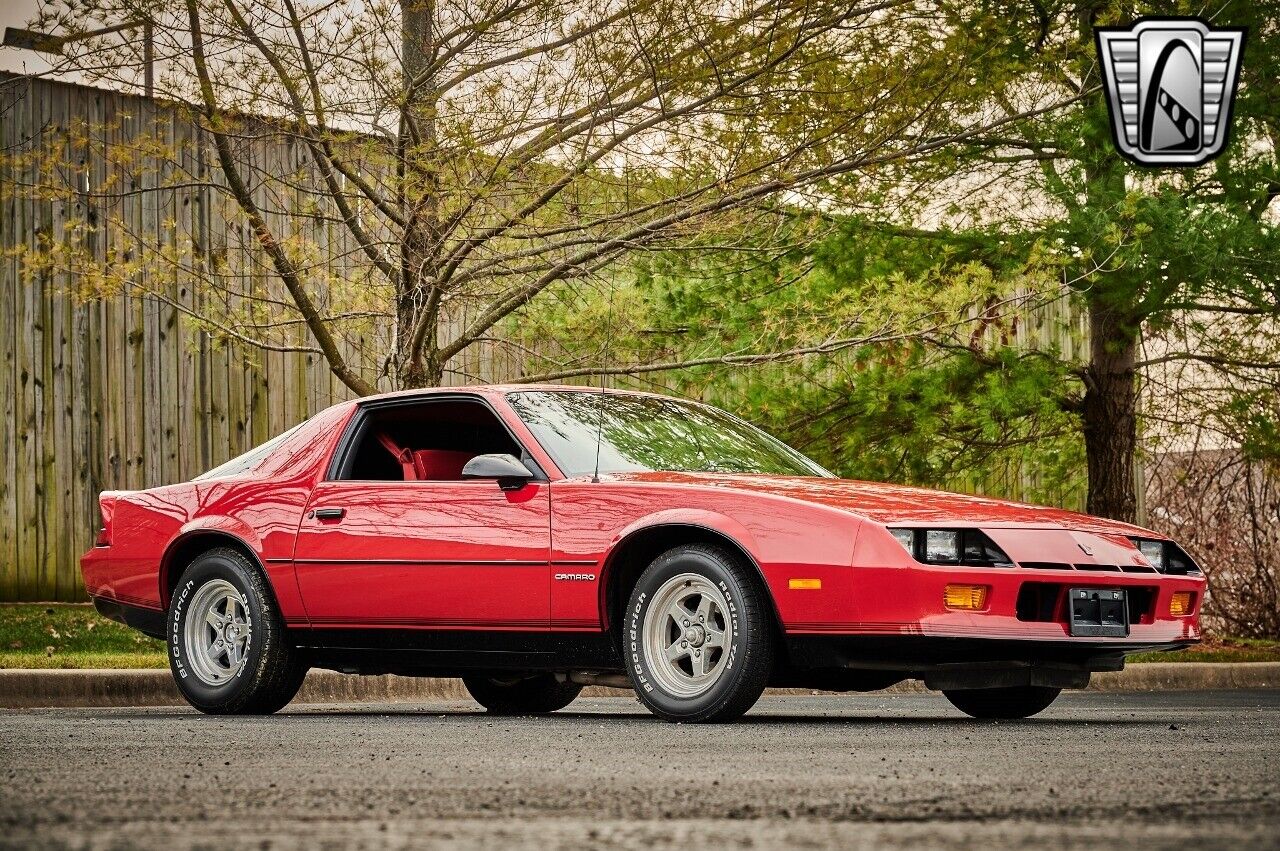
[(243, 465)]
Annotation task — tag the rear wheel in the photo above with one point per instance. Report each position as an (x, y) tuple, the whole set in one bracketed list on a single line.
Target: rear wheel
[(521, 695), (1002, 703), (227, 645), (699, 639)]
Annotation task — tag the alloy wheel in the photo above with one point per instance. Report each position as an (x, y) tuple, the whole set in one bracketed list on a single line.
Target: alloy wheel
[(687, 635), (218, 632)]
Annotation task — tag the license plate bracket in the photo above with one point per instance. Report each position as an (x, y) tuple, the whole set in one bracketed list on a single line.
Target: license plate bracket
[(1098, 612)]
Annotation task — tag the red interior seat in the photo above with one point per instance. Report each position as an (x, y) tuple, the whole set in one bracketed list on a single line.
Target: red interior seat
[(440, 464), (427, 465)]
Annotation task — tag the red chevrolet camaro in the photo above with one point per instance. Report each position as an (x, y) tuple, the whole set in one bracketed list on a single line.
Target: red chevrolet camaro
[(534, 539)]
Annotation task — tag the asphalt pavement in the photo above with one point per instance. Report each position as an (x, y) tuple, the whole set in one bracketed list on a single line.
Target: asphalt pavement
[(1097, 770)]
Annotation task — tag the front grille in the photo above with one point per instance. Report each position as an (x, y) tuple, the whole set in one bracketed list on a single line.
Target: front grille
[(1044, 602), (1045, 565), (1111, 568)]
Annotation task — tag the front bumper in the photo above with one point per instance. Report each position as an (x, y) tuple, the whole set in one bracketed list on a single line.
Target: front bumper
[(954, 663), (1022, 605)]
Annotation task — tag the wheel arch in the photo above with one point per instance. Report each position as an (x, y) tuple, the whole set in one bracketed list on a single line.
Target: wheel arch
[(190, 544), (638, 548)]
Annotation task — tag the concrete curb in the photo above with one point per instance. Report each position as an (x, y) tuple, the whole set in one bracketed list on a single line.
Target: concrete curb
[(1189, 676), (26, 689)]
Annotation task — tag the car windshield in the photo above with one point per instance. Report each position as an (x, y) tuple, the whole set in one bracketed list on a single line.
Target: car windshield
[(645, 433)]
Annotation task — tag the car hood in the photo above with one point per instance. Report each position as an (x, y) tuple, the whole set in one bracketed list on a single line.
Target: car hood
[(888, 504)]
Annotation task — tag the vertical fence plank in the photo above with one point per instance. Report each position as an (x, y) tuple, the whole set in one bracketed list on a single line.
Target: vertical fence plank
[(49, 220), (25, 117), (28, 342), (10, 428)]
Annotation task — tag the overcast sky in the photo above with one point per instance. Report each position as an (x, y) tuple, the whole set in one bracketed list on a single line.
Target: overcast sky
[(16, 13)]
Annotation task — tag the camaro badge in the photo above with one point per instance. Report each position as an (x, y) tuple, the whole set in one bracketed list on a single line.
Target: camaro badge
[(1170, 83)]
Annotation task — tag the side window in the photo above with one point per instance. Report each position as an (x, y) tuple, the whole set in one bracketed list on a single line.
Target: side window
[(425, 442), (246, 463)]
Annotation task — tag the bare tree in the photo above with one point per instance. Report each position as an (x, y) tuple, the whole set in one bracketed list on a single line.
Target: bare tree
[(1225, 508), (477, 152)]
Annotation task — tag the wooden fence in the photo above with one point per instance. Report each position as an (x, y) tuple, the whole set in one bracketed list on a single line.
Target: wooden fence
[(123, 390), (116, 392)]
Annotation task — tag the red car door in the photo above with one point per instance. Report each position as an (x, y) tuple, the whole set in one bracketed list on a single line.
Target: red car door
[(426, 554)]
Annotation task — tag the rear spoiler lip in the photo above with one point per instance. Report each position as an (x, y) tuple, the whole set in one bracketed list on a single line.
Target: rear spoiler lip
[(106, 509)]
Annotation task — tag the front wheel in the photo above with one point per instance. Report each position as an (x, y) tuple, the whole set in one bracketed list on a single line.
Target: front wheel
[(1002, 703), (521, 695), (227, 645), (698, 636)]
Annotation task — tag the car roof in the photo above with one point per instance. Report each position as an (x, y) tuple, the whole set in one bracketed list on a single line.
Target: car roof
[(501, 390)]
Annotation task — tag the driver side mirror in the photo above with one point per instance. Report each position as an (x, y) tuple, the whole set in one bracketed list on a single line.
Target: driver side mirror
[(507, 469)]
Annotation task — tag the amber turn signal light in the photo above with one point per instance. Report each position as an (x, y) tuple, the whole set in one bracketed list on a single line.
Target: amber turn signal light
[(804, 584), (1180, 603), (971, 597)]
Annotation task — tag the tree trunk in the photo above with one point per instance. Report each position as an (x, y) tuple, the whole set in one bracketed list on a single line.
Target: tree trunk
[(1110, 403), (411, 298), (1110, 413), (417, 364)]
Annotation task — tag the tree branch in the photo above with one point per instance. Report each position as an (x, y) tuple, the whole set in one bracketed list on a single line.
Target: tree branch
[(284, 268), (322, 159), (651, 230), (1212, 360), (754, 359)]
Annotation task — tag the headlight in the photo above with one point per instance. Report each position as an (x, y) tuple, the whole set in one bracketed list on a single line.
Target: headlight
[(1166, 556), (941, 545), (952, 546), (1153, 551), (906, 537)]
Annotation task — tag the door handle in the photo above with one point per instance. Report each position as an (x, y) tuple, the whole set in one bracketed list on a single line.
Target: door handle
[(329, 513)]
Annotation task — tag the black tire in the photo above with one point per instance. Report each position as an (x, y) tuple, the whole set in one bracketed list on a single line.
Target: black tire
[(521, 695), (747, 658), (270, 673), (271, 701), (1002, 703)]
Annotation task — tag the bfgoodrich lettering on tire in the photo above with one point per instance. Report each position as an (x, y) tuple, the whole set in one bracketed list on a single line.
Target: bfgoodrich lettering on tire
[(227, 645), (697, 637)]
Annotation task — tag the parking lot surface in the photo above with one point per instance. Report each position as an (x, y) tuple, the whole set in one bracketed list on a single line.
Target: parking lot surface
[(1175, 769)]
